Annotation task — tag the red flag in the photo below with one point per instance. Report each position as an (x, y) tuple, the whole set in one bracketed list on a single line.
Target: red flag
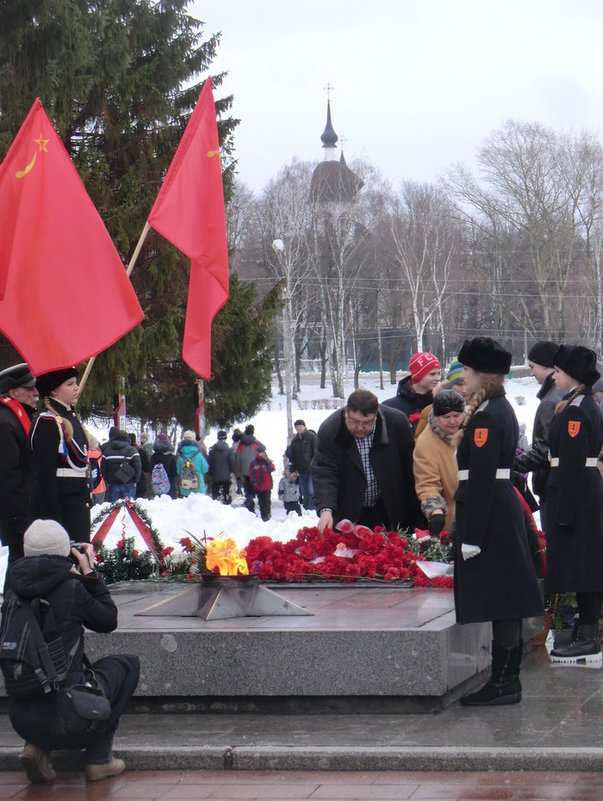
[(64, 292), (189, 211)]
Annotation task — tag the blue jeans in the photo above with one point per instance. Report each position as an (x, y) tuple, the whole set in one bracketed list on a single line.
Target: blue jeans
[(117, 491), (306, 490)]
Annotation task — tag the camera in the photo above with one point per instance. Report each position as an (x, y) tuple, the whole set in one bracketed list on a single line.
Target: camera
[(78, 547)]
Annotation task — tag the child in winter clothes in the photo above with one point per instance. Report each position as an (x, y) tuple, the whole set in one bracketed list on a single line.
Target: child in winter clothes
[(288, 492), (191, 465), (260, 482), (162, 455)]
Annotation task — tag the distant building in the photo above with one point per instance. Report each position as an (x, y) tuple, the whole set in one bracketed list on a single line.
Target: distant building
[(332, 180)]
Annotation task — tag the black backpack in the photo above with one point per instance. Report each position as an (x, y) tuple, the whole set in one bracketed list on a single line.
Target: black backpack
[(32, 656)]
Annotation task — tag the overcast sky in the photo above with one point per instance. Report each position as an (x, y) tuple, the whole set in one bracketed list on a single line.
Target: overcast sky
[(418, 84)]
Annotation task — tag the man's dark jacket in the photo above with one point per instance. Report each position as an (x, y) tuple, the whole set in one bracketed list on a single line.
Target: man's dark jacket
[(409, 402), (339, 478), (16, 477), (536, 459), (301, 451), (221, 461), (116, 452)]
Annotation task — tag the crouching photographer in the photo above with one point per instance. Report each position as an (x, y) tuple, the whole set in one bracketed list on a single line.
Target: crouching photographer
[(57, 699)]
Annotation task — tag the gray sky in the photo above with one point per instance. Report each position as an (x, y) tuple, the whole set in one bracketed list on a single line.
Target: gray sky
[(418, 84)]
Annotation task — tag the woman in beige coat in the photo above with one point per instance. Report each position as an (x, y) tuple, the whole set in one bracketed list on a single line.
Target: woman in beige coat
[(434, 464)]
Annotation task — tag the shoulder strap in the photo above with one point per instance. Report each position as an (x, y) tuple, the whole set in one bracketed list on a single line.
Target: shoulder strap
[(41, 647)]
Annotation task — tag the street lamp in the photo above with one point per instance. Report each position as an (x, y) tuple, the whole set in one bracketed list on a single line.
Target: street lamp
[(279, 248)]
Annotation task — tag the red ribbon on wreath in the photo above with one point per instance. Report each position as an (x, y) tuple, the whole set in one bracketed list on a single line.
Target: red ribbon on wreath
[(107, 525)]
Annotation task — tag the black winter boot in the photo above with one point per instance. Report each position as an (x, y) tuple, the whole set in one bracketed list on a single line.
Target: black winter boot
[(504, 686), (586, 648)]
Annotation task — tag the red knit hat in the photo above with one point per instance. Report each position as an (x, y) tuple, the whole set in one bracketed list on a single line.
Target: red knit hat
[(422, 363)]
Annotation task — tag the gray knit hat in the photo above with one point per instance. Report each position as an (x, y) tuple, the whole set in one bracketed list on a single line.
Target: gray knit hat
[(46, 538)]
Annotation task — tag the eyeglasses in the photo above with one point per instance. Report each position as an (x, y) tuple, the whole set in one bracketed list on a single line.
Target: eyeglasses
[(361, 423)]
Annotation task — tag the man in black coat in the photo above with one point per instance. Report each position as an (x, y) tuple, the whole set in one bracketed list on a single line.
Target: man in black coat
[(300, 453), (362, 468), (221, 464), (536, 460), (65, 577), (18, 399), (121, 466)]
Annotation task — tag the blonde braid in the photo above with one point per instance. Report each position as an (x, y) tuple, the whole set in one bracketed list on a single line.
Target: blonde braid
[(489, 382), (563, 403), (67, 427)]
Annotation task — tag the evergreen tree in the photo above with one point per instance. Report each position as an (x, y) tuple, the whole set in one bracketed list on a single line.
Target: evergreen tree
[(241, 355), (119, 78)]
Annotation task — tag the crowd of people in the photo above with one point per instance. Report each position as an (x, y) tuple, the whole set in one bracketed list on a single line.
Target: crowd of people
[(446, 453)]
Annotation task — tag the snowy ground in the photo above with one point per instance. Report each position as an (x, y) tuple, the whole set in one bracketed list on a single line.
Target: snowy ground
[(199, 513)]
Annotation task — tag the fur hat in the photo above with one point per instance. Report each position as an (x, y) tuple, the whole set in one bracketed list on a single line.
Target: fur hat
[(49, 381), (19, 375), (578, 362), (447, 400), (543, 353), (189, 436), (485, 355), (455, 373), (222, 434), (46, 538), (422, 363)]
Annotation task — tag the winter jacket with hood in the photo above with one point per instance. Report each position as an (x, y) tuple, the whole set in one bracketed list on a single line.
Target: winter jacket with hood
[(76, 601), (189, 451), (409, 401)]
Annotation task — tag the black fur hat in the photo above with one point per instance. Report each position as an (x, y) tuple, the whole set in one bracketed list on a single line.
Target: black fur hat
[(579, 362), (543, 353), (49, 381), (447, 400), (485, 355)]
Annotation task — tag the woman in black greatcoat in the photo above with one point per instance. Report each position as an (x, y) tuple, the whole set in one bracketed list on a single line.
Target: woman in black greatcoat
[(494, 578), (575, 500), (59, 445)]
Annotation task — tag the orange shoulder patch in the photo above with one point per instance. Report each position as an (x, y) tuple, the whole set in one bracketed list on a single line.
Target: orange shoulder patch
[(480, 436), (573, 427)]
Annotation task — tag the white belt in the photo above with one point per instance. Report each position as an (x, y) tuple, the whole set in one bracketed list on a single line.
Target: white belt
[(591, 461), (72, 472), (502, 472)]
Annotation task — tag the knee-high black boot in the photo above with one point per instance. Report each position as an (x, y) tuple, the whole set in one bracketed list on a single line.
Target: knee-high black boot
[(503, 686)]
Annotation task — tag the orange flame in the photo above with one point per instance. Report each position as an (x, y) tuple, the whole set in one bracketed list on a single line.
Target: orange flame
[(224, 554)]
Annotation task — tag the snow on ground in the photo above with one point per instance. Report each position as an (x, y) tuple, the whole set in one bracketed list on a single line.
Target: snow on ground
[(199, 514)]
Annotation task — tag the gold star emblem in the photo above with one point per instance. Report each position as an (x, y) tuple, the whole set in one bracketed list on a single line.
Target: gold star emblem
[(41, 142)]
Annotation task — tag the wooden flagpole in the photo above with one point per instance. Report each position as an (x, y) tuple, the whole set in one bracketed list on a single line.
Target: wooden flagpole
[(131, 264)]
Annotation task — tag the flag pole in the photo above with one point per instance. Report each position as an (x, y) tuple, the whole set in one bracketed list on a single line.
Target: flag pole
[(131, 264)]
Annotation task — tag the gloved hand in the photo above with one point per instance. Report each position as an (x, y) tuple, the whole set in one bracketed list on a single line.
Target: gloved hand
[(436, 524), (469, 551)]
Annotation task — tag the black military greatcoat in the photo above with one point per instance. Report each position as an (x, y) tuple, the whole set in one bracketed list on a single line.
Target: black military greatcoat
[(500, 582)]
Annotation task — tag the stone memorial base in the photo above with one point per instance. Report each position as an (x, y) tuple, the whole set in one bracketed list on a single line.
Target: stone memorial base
[(360, 648)]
